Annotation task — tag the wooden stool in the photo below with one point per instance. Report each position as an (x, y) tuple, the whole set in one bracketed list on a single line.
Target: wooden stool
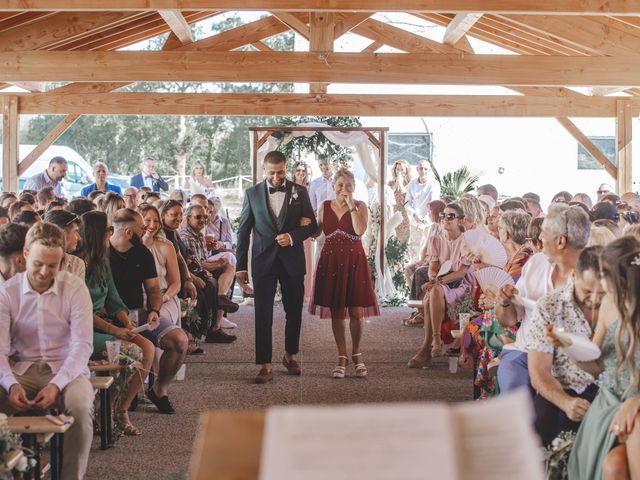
[(37, 431), (102, 384)]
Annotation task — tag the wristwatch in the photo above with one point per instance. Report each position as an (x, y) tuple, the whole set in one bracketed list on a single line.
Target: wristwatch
[(155, 310)]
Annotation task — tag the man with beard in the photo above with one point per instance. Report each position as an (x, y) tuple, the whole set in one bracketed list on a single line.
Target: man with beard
[(133, 268), (564, 391), (51, 177)]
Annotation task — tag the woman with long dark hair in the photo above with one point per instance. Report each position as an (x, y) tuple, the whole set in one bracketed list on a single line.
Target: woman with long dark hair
[(111, 316)]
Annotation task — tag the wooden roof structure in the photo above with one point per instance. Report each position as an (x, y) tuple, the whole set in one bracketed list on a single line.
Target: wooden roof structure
[(556, 45)]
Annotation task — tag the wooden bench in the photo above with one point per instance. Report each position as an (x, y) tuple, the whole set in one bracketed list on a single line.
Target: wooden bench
[(37, 431), (102, 384)]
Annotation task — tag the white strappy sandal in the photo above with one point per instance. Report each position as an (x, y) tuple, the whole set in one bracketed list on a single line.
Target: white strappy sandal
[(361, 368), (340, 370)]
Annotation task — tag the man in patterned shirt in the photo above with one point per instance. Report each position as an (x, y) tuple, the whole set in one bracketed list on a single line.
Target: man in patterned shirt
[(564, 391)]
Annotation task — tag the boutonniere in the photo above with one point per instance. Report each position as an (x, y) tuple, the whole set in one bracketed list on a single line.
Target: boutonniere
[(294, 195)]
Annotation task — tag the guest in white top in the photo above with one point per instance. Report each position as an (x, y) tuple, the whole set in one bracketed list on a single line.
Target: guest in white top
[(418, 195), (46, 330), (321, 188), (565, 232), (198, 182), (12, 259)]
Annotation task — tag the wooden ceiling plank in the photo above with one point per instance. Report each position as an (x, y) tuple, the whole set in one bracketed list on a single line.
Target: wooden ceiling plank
[(372, 47), (178, 25), (414, 68), (583, 33), (301, 104), (555, 7), (20, 19), (321, 37), (293, 22), (262, 47), (459, 27)]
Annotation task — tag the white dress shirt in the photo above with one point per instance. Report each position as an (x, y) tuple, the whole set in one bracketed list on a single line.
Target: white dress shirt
[(148, 181), (276, 199), (55, 327), (534, 283), (418, 197), (321, 189)]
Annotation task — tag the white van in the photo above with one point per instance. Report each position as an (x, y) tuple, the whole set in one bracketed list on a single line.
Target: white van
[(79, 172)]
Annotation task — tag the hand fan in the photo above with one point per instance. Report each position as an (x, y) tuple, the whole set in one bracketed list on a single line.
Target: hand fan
[(481, 242), (493, 277), (581, 348), (445, 267)]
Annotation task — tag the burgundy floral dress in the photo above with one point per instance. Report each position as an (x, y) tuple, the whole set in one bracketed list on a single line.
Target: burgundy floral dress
[(343, 279)]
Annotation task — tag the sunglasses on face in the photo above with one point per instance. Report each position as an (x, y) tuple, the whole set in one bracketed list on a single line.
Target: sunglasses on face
[(448, 216), (200, 217), (74, 219), (602, 192)]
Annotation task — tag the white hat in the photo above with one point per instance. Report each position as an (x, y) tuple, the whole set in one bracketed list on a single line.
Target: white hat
[(488, 200)]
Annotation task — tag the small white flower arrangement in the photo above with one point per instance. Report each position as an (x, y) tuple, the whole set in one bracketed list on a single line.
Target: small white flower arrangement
[(294, 194)]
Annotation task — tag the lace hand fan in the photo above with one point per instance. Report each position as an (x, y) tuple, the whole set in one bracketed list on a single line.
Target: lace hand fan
[(578, 347), (489, 248), (445, 268), (492, 278)]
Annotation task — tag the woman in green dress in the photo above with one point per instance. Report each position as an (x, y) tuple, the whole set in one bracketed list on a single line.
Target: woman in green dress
[(111, 318), (607, 445)]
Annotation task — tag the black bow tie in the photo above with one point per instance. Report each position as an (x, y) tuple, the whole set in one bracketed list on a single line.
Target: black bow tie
[(277, 189)]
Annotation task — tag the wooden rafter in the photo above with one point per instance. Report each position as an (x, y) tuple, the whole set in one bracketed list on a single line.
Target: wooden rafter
[(400, 39), (589, 146), (321, 36), (293, 22), (416, 68), (10, 143), (301, 104), (624, 136), (348, 23), (565, 7), (459, 27), (178, 25)]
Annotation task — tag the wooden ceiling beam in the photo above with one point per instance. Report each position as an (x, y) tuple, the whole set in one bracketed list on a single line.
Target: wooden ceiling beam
[(321, 37), (20, 19), (459, 27), (414, 68), (348, 23), (178, 25), (293, 22), (553, 7), (398, 38), (301, 104)]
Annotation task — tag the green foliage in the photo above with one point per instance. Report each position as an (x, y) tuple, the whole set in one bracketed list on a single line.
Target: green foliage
[(456, 183), (397, 258), (316, 144)]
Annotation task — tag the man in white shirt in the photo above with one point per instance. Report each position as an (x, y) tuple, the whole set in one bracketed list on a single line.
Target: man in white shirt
[(12, 259), (419, 194), (46, 339), (565, 232), (321, 188)]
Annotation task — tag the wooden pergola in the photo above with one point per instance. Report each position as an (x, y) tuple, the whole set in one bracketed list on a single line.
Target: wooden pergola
[(556, 45)]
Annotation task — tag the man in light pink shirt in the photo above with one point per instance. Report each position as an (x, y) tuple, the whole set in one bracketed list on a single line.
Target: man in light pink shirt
[(46, 339)]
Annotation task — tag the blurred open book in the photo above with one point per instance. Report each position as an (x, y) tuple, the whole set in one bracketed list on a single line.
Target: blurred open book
[(486, 440)]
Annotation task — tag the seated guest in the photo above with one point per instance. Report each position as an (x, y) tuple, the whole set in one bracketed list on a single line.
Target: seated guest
[(611, 198), (603, 189), (141, 196), (446, 289), (605, 211), (4, 216), (610, 225), (130, 195), (151, 197), (43, 364), (100, 172), (164, 256), (45, 196), (196, 281), (51, 177), (564, 391), (148, 177), (26, 217), (583, 198), (57, 204), (133, 269), (95, 195), (533, 234), (608, 441), (600, 236), (562, 197), (12, 260), (80, 206), (29, 197), (565, 232), (493, 220), (110, 203), (488, 190), (19, 206), (7, 199), (70, 225), (111, 318), (218, 232), (534, 208), (179, 195)]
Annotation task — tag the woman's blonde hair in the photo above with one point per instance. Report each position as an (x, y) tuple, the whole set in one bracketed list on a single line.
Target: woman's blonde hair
[(473, 211), (600, 236), (197, 164), (344, 172), (406, 177)]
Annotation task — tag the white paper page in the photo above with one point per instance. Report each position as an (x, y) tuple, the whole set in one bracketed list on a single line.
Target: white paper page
[(497, 440), (359, 442)]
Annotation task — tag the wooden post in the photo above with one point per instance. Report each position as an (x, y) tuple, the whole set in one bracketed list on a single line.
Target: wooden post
[(254, 156), (381, 188), (10, 143), (623, 146)]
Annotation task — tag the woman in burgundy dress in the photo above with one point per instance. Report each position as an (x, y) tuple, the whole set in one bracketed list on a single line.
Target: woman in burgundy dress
[(343, 282)]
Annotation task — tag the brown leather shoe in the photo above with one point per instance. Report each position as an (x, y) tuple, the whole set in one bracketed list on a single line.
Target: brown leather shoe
[(264, 376), (293, 367)]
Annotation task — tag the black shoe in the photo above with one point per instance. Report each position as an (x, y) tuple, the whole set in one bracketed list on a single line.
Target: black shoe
[(163, 404), (219, 337), (227, 305)]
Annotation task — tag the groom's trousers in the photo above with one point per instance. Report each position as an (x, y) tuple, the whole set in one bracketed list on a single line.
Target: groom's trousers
[(264, 291)]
